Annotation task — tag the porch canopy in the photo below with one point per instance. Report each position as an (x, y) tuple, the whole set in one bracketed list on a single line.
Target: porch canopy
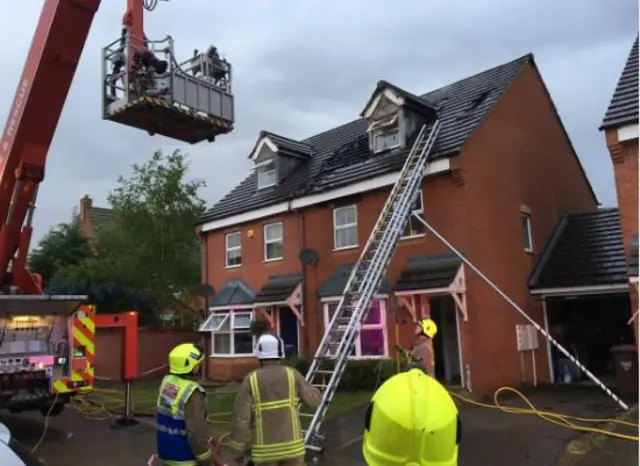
[(334, 286), (585, 256), (433, 275), (281, 290), (233, 295)]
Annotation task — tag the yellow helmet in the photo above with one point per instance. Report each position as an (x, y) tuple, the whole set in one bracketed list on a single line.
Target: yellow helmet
[(411, 421), (184, 358), (428, 327)]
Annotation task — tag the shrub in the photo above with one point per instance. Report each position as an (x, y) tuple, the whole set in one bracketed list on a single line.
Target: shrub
[(359, 375)]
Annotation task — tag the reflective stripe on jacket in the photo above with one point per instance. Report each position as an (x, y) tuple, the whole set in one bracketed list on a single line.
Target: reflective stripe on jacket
[(171, 428)]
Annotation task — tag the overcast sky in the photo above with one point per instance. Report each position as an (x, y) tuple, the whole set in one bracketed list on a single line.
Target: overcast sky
[(303, 66)]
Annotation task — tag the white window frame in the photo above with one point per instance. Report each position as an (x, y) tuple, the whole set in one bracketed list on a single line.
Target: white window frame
[(267, 178), (382, 300), (419, 211), (337, 227), (268, 241), (381, 127), (229, 249), (525, 217), (231, 315)]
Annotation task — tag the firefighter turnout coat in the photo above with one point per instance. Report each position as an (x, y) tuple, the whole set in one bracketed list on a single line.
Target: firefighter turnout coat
[(181, 425), (422, 355), (265, 419)]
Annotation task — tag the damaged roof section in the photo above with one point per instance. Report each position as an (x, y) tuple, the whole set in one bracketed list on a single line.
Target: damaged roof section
[(337, 281), (278, 288), (341, 155), (234, 293), (623, 108), (585, 250), (428, 272)]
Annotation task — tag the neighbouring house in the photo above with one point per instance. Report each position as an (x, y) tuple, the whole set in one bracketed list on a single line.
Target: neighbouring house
[(93, 219), (503, 172), (620, 127)]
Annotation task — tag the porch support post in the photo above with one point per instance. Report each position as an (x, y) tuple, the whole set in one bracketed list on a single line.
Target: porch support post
[(296, 311), (425, 307), (458, 292), (265, 313), (409, 303)]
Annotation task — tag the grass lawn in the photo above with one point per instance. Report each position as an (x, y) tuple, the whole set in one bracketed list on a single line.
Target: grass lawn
[(220, 404)]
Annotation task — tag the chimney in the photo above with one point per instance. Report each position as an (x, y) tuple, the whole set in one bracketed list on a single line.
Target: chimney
[(86, 203)]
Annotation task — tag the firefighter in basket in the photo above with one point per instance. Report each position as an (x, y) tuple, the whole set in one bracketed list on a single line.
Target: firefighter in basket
[(182, 433), (265, 423), (411, 421), (422, 355)]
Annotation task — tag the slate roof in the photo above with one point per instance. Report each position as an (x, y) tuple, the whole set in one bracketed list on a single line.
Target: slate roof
[(585, 250), (341, 155), (411, 100), (100, 218), (335, 284), (633, 257), (288, 146), (278, 288), (623, 108), (428, 272), (234, 292)]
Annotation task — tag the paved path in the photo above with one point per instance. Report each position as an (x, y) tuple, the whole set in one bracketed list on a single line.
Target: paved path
[(490, 438)]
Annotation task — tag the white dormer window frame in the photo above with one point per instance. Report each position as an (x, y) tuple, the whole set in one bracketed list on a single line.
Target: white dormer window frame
[(385, 134), (266, 173)]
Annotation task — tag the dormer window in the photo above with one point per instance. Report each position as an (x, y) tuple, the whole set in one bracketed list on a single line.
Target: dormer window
[(385, 134), (266, 174)]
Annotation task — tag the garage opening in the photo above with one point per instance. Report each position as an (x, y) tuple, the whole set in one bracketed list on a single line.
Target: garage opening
[(588, 327)]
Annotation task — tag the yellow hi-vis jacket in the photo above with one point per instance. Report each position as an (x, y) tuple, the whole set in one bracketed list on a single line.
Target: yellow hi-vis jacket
[(265, 417)]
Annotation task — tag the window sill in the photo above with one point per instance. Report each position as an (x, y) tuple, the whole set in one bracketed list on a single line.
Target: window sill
[(268, 261), (408, 238), (346, 248), (231, 267)]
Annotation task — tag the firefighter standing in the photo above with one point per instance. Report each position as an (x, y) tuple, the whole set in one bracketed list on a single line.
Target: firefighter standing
[(182, 434), (411, 420), (422, 353), (265, 419)]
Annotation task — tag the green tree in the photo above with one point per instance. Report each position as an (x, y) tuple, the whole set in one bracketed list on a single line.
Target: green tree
[(63, 246), (151, 246)]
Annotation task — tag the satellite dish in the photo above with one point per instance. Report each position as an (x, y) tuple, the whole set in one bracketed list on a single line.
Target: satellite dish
[(205, 290), (308, 256)]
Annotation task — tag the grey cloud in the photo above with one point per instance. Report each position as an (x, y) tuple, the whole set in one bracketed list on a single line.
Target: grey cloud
[(301, 67)]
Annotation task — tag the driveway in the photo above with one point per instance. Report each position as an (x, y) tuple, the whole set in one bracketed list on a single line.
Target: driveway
[(490, 437)]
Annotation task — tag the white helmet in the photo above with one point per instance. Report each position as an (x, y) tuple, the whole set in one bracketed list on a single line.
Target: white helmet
[(269, 347)]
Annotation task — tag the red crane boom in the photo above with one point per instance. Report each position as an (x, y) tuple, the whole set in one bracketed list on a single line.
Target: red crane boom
[(55, 51)]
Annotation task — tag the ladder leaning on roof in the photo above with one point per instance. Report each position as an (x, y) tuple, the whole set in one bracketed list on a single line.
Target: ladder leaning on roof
[(366, 276)]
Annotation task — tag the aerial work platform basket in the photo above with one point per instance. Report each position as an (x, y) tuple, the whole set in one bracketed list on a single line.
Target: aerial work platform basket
[(189, 101)]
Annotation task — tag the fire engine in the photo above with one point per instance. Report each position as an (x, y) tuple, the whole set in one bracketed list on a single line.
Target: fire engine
[(47, 344)]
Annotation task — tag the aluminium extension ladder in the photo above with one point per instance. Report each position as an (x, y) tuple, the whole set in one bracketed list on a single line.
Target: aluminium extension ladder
[(366, 276)]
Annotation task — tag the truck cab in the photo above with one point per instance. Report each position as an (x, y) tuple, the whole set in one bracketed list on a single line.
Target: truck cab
[(145, 87)]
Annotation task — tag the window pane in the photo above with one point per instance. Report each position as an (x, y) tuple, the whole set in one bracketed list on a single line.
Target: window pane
[(226, 325), (526, 231), (273, 232), (345, 216), (242, 343), (372, 342), (234, 258), (346, 237), (242, 320), (274, 250), (213, 323), (222, 343), (266, 178), (375, 316), (233, 240), (414, 227)]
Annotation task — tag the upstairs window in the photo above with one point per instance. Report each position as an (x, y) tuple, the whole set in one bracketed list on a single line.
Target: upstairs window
[(266, 174), (273, 242), (525, 218), (233, 248), (385, 134), (345, 227), (415, 227)]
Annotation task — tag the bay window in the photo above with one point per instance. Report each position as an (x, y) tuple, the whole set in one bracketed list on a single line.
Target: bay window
[(230, 332), (371, 341)]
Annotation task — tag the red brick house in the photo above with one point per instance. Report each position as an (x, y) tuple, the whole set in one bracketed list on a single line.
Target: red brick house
[(620, 126), (502, 173), (93, 219)]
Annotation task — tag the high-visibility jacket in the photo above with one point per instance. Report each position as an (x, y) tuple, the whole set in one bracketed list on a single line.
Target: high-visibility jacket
[(265, 418), (171, 427)]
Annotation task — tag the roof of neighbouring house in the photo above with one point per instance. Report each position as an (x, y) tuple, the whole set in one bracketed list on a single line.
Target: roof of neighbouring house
[(585, 250), (623, 108), (341, 155), (100, 218), (428, 272)]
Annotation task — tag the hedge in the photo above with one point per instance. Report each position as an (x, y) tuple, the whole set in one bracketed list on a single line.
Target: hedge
[(359, 375)]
